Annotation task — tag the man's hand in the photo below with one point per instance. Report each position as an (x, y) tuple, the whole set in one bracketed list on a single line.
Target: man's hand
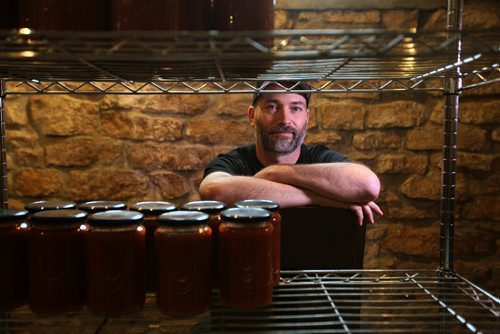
[(367, 211)]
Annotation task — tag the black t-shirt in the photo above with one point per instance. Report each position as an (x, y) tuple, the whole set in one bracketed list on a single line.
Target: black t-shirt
[(243, 160)]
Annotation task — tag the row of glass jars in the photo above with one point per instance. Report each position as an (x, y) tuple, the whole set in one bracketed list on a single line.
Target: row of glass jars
[(174, 15), (63, 258)]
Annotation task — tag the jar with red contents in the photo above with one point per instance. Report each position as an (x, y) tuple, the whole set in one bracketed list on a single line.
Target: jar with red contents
[(273, 207), (212, 208), (115, 249), (151, 210), (183, 254), (174, 15), (14, 233), (98, 206), (50, 205), (63, 14), (57, 261), (246, 258)]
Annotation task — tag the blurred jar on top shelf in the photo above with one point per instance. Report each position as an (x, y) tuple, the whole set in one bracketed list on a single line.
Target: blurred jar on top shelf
[(115, 253), (151, 210), (63, 15), (213, 209), (14, 233), (173, 15), (57, 261)]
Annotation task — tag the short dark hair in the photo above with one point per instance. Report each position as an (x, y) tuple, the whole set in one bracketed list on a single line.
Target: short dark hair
[(303, 88)]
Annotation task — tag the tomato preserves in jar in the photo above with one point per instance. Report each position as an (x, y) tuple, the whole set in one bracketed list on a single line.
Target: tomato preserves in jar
[(183, 249), (98, 206), (57, 261), (14, 233), (246, 257), (213, 209), (151, 210), (115, 249)]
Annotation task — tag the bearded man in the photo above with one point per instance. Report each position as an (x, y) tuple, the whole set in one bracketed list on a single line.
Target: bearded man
[(281, 168)]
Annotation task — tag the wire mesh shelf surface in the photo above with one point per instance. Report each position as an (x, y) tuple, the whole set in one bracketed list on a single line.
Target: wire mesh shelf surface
[(328, 301), (342, 60)]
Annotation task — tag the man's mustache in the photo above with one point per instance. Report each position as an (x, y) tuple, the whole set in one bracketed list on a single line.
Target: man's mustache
[(284, 128)]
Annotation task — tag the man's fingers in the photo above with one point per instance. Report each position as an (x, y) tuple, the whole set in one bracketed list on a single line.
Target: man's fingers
[(376, 208), (368, 213), (359, 213)]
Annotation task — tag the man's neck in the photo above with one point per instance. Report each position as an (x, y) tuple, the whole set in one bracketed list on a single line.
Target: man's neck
[(271, 158)]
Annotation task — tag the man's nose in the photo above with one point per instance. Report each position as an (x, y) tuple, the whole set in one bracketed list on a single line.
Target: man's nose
[(284, 116)]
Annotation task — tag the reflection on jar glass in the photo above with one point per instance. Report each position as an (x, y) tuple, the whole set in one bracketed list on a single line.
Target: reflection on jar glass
[(115, 249), (151, 210), (57, 261), (183, 249), (273, 207), (212, 208), (14, 232), (246, 258)]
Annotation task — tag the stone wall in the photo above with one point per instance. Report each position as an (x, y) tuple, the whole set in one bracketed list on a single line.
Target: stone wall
[(154, 147)]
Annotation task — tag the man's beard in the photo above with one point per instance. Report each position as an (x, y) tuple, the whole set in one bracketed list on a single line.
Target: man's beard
[(280, 144)]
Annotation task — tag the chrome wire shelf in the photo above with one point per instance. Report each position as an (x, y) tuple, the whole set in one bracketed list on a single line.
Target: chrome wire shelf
[(327, 301), (368, 60)]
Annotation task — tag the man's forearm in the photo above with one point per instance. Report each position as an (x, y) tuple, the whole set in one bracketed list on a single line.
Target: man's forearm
[(343, 182)]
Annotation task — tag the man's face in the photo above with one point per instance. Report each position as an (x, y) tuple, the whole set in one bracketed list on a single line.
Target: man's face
[(280, 121)]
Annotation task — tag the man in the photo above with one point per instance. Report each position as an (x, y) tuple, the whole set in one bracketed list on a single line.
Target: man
[(281, 168)]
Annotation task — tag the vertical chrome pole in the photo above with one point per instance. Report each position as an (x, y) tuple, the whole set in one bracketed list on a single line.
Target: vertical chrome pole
[(453, 85), (3, 148)]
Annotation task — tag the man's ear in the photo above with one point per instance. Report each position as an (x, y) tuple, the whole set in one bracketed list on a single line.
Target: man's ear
[(251, 116)]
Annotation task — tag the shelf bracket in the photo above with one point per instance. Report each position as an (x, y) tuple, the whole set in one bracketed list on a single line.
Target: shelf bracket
[(3, 149)]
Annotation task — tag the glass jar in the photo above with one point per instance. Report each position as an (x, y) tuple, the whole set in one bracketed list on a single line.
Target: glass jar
[(172, 15), (115, 250), (98, 206), (63, 15), (242, 15), (273, 207), (246, 258), (14, 233), (57, 261), (50, 205), (151, 211), (212, 208), (183, 249)]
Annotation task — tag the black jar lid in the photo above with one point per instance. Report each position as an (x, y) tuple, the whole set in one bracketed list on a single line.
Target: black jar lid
[(97, 206), (183, 218), (153, 208), (205, 206), (7, 215), (62, 216), (246, 215), (258, 203), (50, 205), (112, 218)]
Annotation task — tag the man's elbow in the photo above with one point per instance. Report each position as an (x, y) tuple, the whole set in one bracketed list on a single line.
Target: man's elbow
[(372, 188), (212, 192)]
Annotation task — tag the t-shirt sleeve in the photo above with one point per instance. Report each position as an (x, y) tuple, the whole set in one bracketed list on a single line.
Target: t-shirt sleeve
[(227, 163)]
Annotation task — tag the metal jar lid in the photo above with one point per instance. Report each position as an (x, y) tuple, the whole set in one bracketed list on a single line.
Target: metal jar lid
[(115, 218), (246, 215), (153, 208), (205, 206), (63, 216), (7, 215), (97, 206), (183, 218), (258, 203), (50, 205)]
